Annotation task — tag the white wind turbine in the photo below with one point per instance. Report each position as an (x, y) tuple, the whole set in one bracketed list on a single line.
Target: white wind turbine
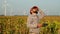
[(4, 6), (46, 11), (11, 12), (25, 13)]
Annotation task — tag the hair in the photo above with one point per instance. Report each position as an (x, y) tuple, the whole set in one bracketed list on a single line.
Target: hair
[(34, 7)]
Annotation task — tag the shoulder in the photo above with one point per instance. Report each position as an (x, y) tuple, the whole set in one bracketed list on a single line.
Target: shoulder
[(29, 16)]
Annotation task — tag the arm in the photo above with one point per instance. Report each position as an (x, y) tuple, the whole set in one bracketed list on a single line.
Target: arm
[(41, 14), (29, 22)]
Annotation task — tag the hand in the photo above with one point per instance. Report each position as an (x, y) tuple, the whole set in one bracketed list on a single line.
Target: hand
[(39, 25)]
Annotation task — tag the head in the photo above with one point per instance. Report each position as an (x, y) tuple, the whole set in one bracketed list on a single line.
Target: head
[(34, 9)]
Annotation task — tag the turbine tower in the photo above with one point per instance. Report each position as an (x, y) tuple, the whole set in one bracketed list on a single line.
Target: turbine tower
[(46, 11), (11, 11), (5, 7), (25, 13)]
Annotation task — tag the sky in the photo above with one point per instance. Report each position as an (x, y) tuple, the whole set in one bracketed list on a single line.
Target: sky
[(22, 7)]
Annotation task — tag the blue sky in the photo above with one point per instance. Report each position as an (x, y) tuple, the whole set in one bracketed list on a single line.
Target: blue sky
[(18, 7)]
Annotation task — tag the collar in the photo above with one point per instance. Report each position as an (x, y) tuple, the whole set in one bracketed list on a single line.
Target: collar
[(34, 14)]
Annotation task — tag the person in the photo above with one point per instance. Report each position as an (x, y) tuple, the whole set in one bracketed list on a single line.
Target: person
[(33, 20)]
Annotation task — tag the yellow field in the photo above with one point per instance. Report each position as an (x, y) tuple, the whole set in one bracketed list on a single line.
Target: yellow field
[(17, 25)]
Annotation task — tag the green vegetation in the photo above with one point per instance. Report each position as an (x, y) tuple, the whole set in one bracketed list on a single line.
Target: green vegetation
[(17, 25)]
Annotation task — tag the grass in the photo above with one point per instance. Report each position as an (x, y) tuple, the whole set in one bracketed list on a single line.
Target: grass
[(17, 25)]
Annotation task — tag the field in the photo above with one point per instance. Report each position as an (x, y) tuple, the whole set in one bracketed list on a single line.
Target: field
[(17, 25)]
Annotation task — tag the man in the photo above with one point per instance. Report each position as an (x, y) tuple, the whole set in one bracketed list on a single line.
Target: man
[(33, 20)]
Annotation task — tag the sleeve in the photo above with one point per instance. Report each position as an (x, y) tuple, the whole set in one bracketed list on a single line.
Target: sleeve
[(42, 14), (29, 21)]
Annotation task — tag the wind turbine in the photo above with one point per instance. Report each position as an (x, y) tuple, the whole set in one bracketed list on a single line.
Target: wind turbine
[(5, 4), (46, 11), (11, 11), (5, 7), (25, 13)]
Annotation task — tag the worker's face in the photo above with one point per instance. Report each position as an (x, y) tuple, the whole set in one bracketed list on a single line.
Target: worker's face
[(35, 11)]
